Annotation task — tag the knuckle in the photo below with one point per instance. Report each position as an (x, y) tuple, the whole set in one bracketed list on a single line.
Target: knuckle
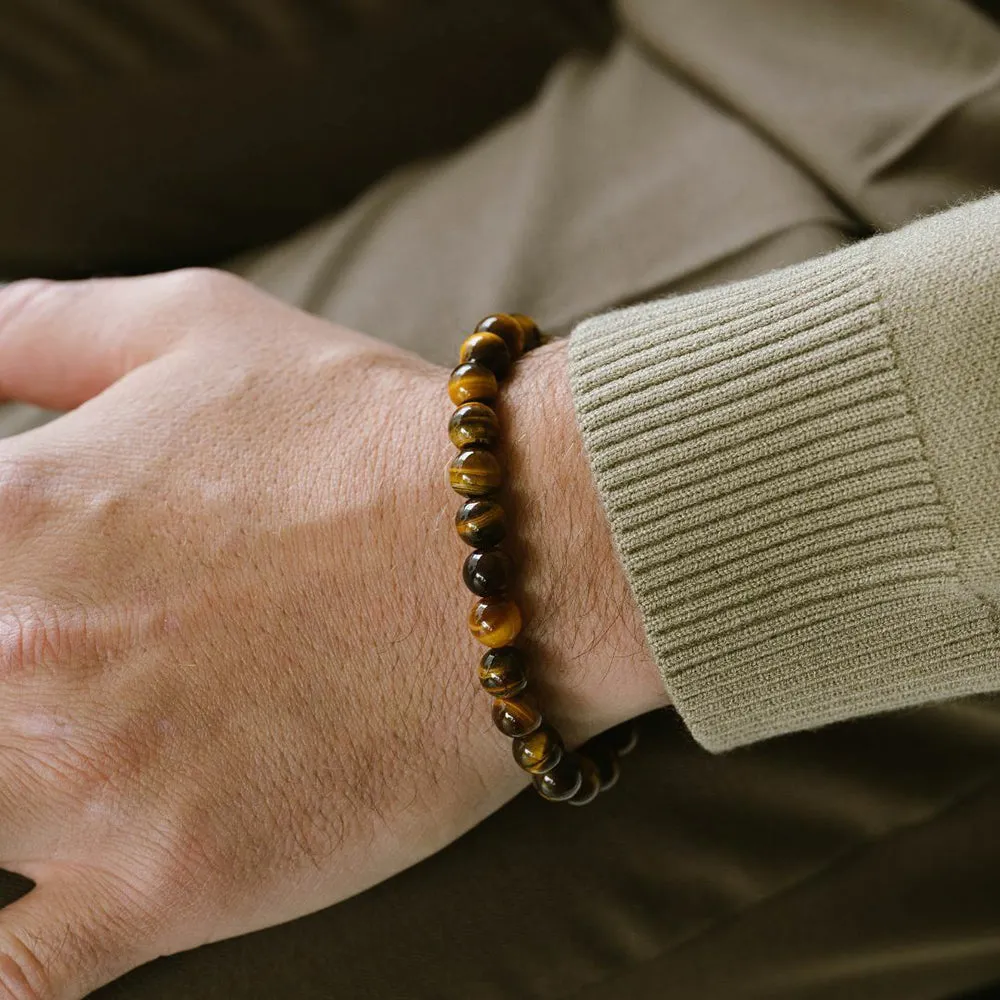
[(199, 285), (41, 633), (37, 633), (191, 296), (29, 637), (22, 974)]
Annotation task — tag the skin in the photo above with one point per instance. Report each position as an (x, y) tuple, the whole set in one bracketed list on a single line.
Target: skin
[(235, 681)]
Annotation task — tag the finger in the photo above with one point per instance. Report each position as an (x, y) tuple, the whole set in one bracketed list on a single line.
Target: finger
[(61, 343), (64, 940)]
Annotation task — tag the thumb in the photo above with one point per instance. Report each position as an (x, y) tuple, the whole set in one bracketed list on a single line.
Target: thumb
[(64, 940), (62, 343)]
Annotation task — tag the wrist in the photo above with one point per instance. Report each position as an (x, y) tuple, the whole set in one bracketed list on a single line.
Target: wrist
[(583, 629)]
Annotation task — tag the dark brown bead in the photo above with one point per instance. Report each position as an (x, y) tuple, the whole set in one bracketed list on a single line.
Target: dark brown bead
[(495, 621), (539, 751), (474, 425), (508, 329), (502, 673), (474, 473), (481, 523), (532, 335), (590, 783), (487, 574), (606, 761), (472, 383), (562, 782), (621, 739), (516, 716), (486, 349)]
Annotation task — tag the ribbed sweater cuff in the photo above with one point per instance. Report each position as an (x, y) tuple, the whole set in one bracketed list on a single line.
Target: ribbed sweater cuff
[(772, 505)]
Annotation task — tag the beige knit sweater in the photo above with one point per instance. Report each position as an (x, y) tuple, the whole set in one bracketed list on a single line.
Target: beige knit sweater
[(802, 474)]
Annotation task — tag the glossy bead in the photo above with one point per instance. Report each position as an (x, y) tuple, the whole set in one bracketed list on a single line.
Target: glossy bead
[(508, 329), (539, 751), (474, 425), (562, 782), (516, 716), (481, 523), (590, 783), (474, 473), (486, 349), (472, 383), (495, 621), (487, 574), (532, 335), (622, 738), (502, 673), (606, 762)]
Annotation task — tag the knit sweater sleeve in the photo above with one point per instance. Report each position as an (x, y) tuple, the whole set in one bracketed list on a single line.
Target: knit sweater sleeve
[(802, 476)]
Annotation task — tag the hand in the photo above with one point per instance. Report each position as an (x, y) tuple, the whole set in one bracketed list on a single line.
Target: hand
[(235, 681)]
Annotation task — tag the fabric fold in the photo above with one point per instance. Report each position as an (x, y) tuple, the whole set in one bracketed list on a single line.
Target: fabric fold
[(851, 90)]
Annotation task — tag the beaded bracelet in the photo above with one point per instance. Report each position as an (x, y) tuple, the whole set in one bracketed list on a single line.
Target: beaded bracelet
[(485, 359)]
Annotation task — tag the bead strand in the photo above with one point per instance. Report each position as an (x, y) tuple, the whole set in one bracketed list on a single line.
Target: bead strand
[(485, 359)]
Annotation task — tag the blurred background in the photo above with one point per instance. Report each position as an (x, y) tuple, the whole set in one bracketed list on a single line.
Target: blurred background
[(113, 108)]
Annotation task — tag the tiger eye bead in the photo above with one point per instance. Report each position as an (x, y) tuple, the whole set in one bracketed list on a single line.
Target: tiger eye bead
[(486, 349), (472, 383), (487, 574), (474, 473), (502, 673), (474, 425), (515, 716), (590, 783), (481, 523), (562, 782), (507, 329), (532, 335), (539, 751), (495, 621)]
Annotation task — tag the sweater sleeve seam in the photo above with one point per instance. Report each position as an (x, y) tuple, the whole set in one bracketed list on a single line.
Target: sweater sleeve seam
[(912, 411)]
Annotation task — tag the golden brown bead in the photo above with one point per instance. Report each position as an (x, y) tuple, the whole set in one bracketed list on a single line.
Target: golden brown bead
[(516, 716), (474, 473), (481, 523), (472, 383), (590, 783), (502, 673), (539, 751), (486, 349), (495, 621), (487, 574), (562, 782), (532, 335), (485, 358), (474, 425), (508, 329)]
